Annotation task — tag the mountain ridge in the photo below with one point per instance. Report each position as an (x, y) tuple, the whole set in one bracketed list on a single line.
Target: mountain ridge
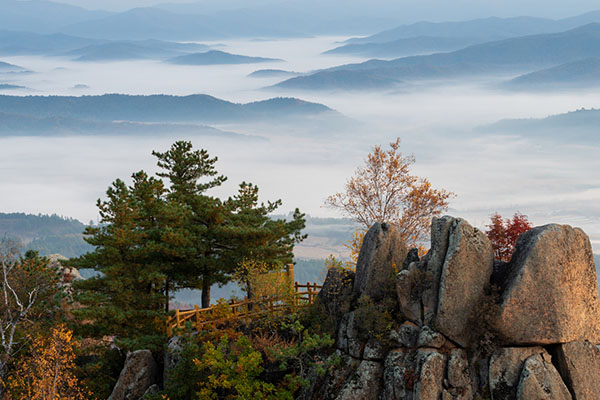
[(518, 55)]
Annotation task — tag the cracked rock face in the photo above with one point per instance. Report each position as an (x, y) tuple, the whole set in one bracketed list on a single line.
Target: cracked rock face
[(579, 365), (138, 375), (364, 384), (466, 273), (505, 369), (541, 381), (382, 252), (546, 304), (431, 366), (336, 293), (551, 293)]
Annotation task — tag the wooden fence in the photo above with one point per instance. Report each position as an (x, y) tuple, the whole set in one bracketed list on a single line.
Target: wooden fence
[(235, 311)]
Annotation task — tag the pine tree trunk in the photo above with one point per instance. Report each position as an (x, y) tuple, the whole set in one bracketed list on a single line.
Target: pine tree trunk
[(205, 294)]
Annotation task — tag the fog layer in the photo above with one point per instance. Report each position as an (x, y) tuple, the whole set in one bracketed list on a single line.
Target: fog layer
[(550, 179)]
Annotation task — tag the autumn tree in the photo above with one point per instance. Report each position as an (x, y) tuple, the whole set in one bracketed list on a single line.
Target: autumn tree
[(503, 233), (383, 190), (47, 372), (28, 293)]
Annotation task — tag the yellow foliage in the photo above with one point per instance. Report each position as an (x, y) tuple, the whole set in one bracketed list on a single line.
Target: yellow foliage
[(47, 372), (354, 246), (383, 190), (262, 281)]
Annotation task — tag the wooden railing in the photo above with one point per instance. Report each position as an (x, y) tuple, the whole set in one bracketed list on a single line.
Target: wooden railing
[(234, 311)]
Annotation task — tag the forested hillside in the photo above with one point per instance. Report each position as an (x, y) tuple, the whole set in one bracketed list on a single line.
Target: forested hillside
[(49, 234)]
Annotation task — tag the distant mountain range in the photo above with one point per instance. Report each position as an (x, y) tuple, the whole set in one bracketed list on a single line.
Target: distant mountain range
[(30, 125), (69, 111), (521, 54), (215, 57), (26, 43), (191, 21), (133, 50), (429, 37), (482, 29), (342, 80), (272, 73), (291, 18), (6, 67), (576, 126), (8, 86), (404, 47), (578, 74), (43, 16), (82, 49)]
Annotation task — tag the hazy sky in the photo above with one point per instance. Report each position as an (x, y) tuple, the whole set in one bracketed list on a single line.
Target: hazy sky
[(408, 10)]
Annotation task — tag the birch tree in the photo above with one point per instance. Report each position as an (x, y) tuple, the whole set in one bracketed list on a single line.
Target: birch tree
[(26, 281)]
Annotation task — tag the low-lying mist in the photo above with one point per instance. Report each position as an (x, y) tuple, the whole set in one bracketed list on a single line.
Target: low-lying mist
[(551, 179)]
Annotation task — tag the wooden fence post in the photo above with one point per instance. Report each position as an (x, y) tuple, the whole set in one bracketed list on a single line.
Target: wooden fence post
[(177, 318), (289, 270), (197, 317)]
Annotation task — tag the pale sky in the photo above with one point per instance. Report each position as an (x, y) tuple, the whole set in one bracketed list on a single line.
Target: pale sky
[(412, 10)]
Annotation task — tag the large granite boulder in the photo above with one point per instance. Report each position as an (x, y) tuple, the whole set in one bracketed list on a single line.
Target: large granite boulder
[(505, 369), (430, 338), (431, 368), (466, 273), (409, 289), (551, 293), (365, 383), (406, 335), (336, 293), (579, 365), (440, 231), (138, 374), (349, 339), (399, 377), (383, 251), (459, 383), (541, 381)]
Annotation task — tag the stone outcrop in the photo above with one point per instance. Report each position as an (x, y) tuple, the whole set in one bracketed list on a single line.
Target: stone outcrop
[(364, 383), (440, 232), (465, 274), (399, 375), (409, 284), (431, 366), (505, 370), (336, 293), (138, 375), (579, 364), (551, 293), (466, 327), (541, 381), (430, 338), (404, 336), (381, 253)]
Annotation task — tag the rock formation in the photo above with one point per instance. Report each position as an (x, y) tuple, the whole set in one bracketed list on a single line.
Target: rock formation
[(137, 377), (466, 327)]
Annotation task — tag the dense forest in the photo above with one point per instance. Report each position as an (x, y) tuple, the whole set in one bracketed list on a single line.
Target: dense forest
[(47, 234)]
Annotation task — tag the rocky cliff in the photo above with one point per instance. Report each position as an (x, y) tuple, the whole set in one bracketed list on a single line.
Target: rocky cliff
[(455, 324)]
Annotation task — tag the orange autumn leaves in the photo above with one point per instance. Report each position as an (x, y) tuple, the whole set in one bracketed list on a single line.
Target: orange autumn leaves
[(383, 190), (47, 372)]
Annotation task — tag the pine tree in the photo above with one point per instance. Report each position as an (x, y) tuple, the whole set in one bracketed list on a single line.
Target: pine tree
[(221, 234), (126, 299)]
